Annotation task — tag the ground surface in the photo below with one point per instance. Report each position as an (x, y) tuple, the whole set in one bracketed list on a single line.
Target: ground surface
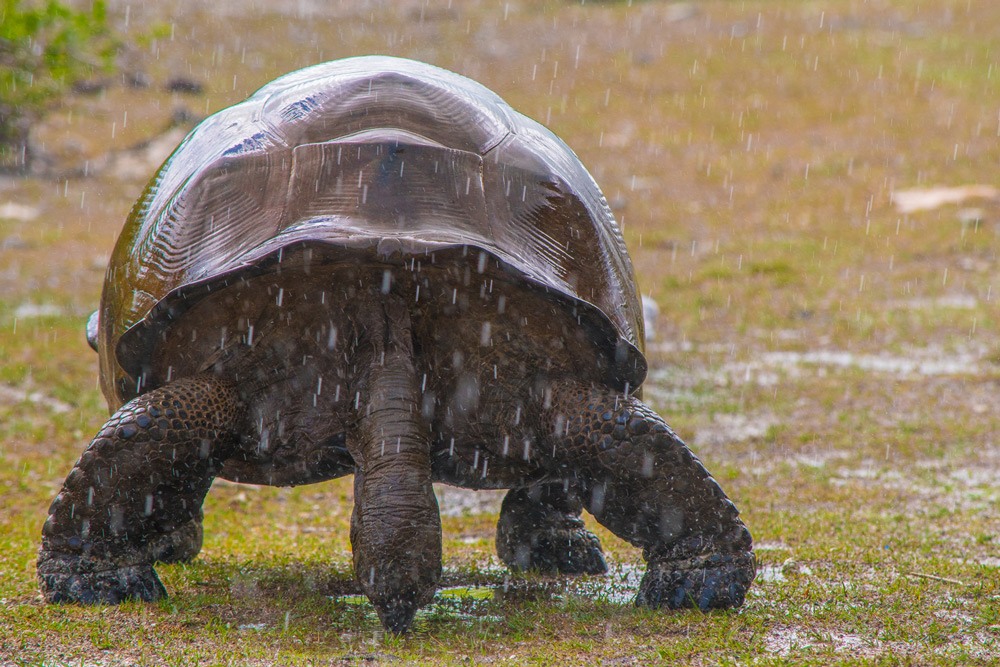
[(831, 354)]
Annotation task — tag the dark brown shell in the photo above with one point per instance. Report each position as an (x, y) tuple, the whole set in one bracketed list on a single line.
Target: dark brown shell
[(373, 157)]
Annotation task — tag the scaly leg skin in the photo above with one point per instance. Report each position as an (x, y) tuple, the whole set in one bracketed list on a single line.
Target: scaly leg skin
[(642, 483), (540, 529), (396, 525), (135, 495)]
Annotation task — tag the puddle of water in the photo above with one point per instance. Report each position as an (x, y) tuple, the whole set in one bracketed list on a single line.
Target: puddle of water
[(785, 641), (457, 603), (726, 428), (650, 313), (820, 459), (13, 395), (671, 397), (769, 368), (473, 603), (927, 199), (257, 627), (771, 545), (28, 311), (937, 364), (14, 211), (618, 586), (791, 568), (959, 301), (467, 593)]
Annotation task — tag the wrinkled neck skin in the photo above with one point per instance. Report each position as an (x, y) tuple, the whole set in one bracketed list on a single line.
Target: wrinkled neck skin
[(396, 526)]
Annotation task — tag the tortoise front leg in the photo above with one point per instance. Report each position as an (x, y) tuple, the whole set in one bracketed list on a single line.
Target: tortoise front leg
[(396, 525), (540, 529), (642, 483), (135, 495)]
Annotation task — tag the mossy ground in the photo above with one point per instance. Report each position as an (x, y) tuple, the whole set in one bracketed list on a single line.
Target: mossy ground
[(833, 360)]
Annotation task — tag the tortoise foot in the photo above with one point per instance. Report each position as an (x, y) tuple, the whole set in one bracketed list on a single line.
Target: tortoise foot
[(553, 543), (717, 581), (178, 546), (552, 550), (71, 578)]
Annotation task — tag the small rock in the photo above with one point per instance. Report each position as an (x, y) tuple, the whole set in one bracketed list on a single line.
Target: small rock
[(180, 84), (91, 86)]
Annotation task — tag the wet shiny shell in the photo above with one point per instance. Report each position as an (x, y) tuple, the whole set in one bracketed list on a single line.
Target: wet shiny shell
[(375, 160)]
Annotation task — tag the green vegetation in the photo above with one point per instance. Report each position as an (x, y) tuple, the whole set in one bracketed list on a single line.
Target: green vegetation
[(44, 49), (832, 360)]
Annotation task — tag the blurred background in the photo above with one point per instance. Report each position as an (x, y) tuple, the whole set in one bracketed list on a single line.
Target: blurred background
[(809, 194)]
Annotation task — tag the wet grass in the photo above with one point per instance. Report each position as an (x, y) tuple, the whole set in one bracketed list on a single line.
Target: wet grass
[(751, 151)]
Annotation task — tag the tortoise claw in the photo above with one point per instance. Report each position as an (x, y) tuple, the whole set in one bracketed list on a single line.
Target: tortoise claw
[(540, 530), (397, 615), (560, 545), (719, 581), (71, 578), (179, 546)]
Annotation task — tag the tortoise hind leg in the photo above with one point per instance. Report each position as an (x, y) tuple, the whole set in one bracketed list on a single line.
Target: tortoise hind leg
[(135, 495), (642, 483), (540, 529)]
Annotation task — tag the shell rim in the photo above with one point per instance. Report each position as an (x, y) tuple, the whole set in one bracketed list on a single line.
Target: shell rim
[(627, 369)]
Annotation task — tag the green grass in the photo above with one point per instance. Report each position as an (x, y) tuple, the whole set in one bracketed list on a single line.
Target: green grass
[(751, 151)]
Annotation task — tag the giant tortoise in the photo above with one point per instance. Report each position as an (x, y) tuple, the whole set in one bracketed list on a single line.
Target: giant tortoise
[(376, 267)]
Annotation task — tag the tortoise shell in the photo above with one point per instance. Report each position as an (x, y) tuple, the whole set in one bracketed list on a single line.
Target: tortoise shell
[(374, 160)]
